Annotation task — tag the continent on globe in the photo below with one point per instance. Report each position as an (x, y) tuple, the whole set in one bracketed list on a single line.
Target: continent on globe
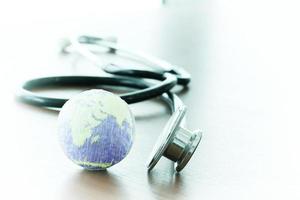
[(96, 129)]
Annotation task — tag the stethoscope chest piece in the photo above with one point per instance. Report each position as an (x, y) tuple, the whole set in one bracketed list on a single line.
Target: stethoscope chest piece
[(176, 143)]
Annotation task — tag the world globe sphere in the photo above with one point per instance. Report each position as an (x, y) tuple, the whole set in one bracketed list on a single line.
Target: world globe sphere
[(96, 129)]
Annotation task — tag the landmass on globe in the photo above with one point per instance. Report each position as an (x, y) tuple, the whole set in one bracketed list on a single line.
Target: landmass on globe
[(96, 129)]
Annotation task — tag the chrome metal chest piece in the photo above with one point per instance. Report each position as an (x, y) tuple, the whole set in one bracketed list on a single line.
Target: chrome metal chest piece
[(176, 143)]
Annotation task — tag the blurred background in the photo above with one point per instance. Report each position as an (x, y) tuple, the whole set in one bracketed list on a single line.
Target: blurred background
[(244, 60)]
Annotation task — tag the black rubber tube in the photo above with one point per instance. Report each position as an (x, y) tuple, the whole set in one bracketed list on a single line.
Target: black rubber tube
[(145, 90)]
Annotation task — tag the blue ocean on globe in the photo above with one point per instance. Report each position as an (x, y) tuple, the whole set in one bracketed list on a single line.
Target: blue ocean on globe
[(96, 129)]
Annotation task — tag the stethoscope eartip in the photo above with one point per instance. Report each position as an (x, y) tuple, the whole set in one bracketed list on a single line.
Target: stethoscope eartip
[(63, 44)]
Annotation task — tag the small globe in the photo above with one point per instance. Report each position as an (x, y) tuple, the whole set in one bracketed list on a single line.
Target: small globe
[(96, 129)]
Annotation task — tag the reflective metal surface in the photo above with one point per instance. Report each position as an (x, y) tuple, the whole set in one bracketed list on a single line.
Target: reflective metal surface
[(176, 143)]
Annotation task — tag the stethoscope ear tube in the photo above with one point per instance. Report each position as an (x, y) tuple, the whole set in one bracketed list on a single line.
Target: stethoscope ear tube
[(159, 65)]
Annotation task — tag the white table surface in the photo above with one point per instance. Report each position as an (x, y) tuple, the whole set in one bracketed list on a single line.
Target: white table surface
[(244, 59)]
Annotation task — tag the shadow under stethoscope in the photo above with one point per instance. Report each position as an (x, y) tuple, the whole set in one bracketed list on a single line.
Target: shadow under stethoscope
[(109, 185), (165, 180)]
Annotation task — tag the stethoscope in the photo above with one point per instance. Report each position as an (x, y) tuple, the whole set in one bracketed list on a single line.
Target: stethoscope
[(176, 142)]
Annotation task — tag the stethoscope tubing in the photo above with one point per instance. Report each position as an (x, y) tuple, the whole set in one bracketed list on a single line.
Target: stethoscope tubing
[(145, 91), (167, 77)]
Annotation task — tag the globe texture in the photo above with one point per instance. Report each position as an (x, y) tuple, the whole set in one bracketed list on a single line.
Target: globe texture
[(96, 129)]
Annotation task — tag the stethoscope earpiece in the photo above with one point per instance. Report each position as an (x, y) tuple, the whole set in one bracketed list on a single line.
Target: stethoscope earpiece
[(176, 143)]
